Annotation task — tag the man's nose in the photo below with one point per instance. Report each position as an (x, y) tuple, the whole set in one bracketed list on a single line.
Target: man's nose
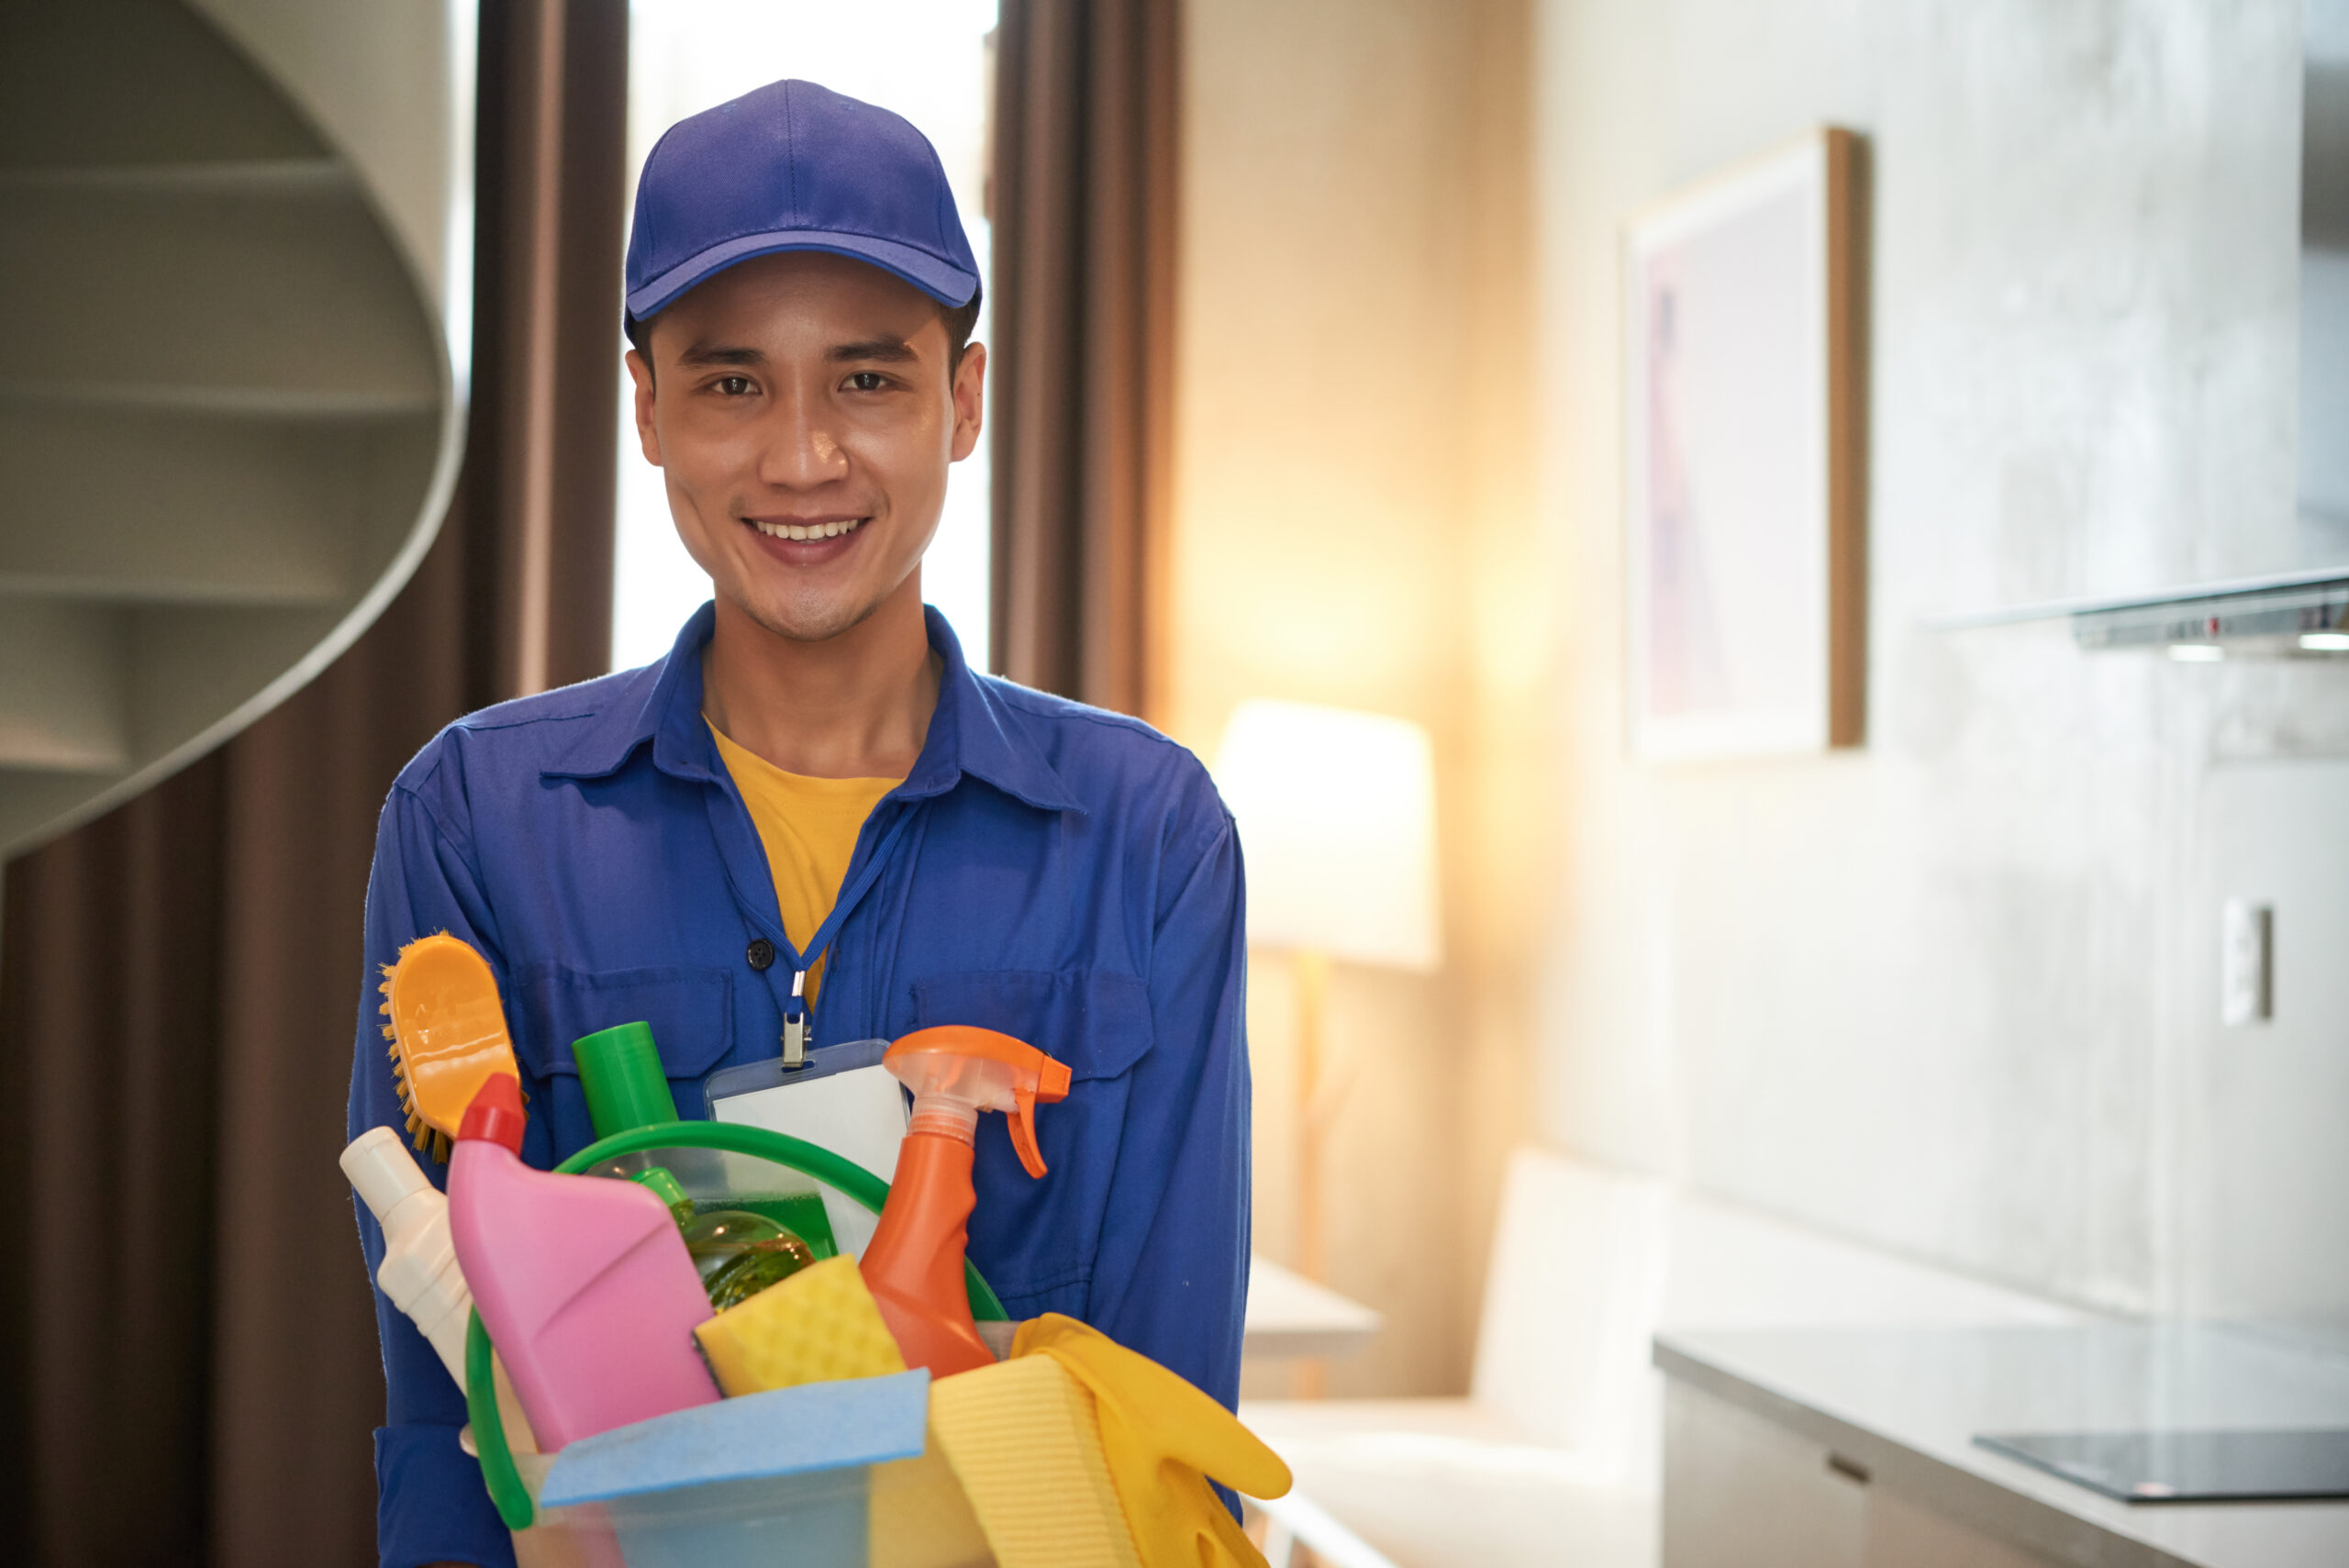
[(801, 450)]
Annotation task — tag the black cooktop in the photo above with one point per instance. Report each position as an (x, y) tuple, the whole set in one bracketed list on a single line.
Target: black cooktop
[(2188, 1467)]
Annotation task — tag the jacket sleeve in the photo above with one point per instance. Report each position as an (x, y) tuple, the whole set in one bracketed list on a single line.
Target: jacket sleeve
[(430, 1503), (1174, 1286)]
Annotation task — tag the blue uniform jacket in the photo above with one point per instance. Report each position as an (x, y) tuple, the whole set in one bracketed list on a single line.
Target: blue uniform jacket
[(1063, 874)]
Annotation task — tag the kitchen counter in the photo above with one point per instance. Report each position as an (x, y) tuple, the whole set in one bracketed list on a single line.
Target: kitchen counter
[(1900, 1407)]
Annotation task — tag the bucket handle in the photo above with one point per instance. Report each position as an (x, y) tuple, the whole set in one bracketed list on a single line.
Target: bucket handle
[(845, 1176)]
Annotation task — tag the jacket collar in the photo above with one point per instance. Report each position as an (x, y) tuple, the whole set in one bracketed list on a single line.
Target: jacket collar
[(974, 731)]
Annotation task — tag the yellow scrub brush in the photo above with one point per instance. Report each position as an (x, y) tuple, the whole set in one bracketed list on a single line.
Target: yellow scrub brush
[(447, 1034)]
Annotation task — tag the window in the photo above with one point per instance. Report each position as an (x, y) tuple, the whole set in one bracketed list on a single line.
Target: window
[(924, 59)]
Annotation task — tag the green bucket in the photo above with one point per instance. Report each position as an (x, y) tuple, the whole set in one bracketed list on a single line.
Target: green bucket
[(852, 1181)]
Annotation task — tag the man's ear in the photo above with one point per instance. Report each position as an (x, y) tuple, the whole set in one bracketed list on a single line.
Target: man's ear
[(646, 435), (970, 400)]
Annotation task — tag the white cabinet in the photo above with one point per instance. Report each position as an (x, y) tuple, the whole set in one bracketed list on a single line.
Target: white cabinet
[(1741, 1491), (1902, 1534)]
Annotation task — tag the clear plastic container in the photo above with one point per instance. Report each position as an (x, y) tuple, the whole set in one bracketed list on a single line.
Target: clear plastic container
[(820, 1521)]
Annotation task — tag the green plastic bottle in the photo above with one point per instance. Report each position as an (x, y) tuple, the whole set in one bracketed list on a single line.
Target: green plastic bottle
[(738, 1252)]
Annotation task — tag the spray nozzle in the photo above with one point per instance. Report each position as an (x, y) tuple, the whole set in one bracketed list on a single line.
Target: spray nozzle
[(955, 1071)]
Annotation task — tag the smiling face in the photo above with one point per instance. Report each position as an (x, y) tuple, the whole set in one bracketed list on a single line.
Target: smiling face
[(803, 408)]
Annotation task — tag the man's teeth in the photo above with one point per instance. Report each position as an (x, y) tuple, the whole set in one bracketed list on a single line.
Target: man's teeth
[(814, 530)]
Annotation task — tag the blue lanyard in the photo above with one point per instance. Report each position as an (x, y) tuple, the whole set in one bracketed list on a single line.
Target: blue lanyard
[(798, 1019)]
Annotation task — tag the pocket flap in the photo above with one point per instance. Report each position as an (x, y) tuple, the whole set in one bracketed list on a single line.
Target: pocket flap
[(690, 1011), (1095, 1020)]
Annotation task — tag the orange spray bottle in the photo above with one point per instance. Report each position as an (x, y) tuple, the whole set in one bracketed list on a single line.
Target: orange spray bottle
[(914, 1264)]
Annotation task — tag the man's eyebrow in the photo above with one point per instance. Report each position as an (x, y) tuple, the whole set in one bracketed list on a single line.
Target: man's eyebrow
[(721, 354), (889, 349)]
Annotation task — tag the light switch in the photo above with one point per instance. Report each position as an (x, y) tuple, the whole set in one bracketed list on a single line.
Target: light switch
[(2246, 961)]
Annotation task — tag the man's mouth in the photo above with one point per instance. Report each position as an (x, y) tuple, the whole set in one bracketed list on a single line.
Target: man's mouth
[(805, 530)]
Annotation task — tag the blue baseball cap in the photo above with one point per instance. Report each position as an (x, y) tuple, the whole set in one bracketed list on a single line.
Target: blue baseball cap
[(792, 166)]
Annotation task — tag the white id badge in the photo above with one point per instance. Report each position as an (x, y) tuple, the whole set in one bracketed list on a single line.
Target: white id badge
[(843, 1100)]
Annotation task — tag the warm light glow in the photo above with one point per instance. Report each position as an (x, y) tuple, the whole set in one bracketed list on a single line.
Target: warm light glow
[(2325, 641), (1337, 822), (2197, 652)]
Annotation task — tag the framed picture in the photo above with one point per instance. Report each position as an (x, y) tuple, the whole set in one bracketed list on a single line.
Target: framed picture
[(1746, 530)]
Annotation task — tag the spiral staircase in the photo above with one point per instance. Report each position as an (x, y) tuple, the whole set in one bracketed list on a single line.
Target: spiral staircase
[(234, 256)]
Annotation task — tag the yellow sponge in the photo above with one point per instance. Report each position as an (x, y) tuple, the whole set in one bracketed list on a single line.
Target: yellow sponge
[(1025, 1442), (815, 1325), (918, 1516)]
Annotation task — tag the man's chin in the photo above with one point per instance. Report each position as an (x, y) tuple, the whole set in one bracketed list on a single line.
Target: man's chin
[(812, 619)]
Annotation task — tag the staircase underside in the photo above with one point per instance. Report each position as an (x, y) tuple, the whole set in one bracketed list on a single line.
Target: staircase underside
[(227, 410)]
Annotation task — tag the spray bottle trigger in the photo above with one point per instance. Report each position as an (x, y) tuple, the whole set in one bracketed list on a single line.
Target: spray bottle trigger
[(1051, 1083), (1021, 1124)]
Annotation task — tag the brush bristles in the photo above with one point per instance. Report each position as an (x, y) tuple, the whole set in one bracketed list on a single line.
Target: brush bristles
[(426, 1139)]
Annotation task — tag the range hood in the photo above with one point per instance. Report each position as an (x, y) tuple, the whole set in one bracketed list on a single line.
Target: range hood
[(2303, 612), (2324, 284)]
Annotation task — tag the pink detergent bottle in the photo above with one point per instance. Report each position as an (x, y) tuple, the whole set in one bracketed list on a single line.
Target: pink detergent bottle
[(584, 1284)]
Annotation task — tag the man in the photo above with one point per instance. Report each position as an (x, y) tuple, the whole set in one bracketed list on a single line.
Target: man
[(814, 796)]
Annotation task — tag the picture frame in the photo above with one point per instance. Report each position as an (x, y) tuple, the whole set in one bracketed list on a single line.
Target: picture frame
[(1745, 527)]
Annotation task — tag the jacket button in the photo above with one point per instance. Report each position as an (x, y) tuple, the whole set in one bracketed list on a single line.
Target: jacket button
[(762, 954)]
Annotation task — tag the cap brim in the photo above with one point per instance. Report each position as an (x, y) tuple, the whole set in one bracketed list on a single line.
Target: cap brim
[(948, 285)]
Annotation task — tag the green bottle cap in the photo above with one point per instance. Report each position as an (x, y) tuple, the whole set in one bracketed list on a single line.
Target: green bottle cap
[(665, 1187), (620, 1070)]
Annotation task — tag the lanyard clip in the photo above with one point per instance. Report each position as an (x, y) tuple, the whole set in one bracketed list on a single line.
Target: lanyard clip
[(798, 1025)]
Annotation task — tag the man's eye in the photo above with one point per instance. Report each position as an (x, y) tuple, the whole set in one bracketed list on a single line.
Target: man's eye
[(734, 387), (867, 381)]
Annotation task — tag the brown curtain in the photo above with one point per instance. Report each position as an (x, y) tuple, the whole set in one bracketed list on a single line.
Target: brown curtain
[(188, 1370), (1083, 202)]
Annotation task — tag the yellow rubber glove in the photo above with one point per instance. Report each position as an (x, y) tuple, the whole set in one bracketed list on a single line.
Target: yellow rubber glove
[(1163, 1439)]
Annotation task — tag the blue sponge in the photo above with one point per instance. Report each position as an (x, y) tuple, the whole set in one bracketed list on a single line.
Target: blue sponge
[(785, 1431)]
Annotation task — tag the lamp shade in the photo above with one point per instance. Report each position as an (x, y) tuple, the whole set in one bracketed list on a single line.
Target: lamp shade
[(1337, 822)]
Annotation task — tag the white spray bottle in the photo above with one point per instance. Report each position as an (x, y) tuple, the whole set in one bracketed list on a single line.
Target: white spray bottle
[(420, 1273)]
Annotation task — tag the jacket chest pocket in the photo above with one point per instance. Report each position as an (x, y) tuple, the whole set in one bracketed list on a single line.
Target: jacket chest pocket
[(1035, 1240), (689, 1008)]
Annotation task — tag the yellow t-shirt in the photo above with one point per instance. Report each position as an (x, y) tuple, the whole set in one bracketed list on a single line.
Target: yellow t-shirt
[(808, 827)]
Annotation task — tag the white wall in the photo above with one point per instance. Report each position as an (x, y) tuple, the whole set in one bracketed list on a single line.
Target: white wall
[(1954, 993)]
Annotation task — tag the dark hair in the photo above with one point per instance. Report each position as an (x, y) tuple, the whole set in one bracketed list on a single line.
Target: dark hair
[(961, 321)]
